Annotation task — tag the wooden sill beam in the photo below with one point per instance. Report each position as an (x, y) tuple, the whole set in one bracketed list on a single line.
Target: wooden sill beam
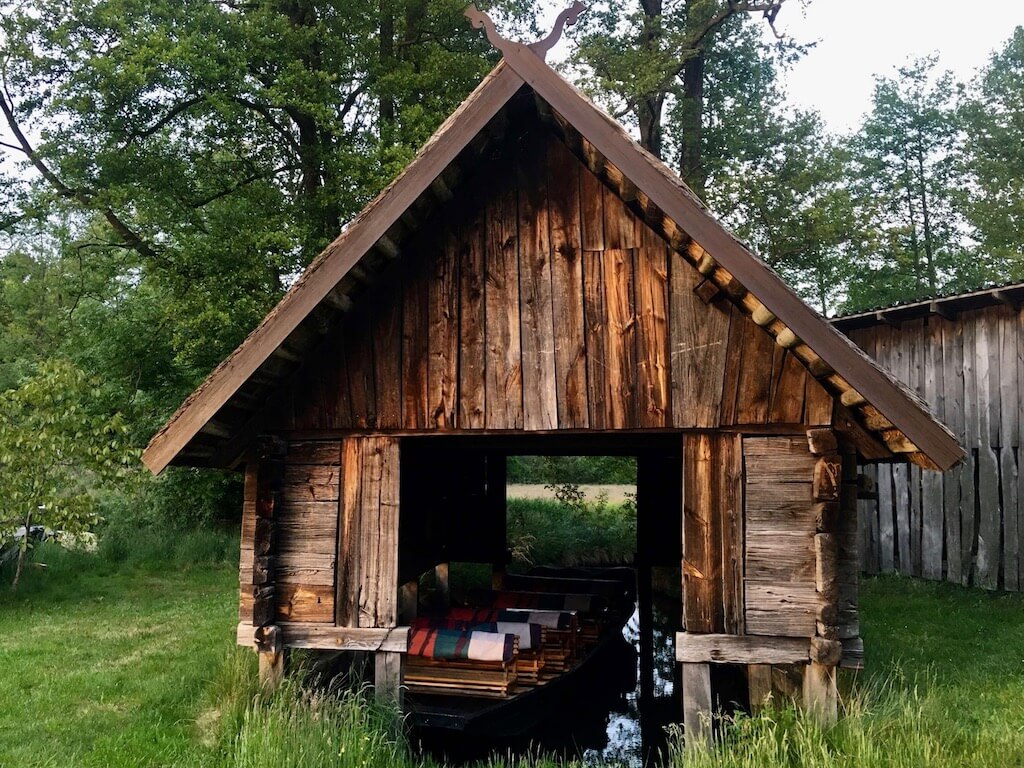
[(324, 637), (694, 648)]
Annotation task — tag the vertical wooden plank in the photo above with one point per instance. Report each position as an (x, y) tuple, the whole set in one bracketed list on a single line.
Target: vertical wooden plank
[(387, 531), (933, 507), (387, 354), (698, 339), (620, 337), (472, 331), (820, 694), (788, 387), (622, 229), (504, 389), (953, 417), (591, 211), (868, 508), (702, 565), (359, 358), (387, 679), (899, 364), (346, 606), (989, 549), (697, 710), (1008, 428), (913, 335), (369, 554), (595, 323), (886, 520), (818, 404), (1018, 439), (565, 216), (728, 491), (651, 270), (442, 366), (754, 390), (972, 439), (245, 563), (540, 396), (415, 335)]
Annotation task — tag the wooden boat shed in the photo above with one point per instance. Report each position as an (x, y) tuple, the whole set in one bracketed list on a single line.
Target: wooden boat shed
[(536, 283)]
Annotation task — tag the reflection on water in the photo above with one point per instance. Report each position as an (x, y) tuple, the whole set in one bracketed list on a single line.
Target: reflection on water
[(635, 735), (617, 717)]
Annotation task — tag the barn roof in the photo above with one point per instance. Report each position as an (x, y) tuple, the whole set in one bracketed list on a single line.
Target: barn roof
[(217, 422)]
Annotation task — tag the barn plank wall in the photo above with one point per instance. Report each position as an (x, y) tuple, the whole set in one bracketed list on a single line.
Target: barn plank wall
[(966, 526), (546, 305)]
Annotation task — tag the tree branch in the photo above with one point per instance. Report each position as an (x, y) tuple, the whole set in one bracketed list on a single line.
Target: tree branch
[(171, 114), (82, 196)]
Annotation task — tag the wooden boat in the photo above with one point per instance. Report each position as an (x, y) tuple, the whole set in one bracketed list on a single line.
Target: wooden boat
[(602, 666)]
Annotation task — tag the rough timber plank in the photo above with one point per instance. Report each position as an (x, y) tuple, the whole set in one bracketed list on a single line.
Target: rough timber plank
[(620, 337), (932, 482), (697, 705), (415, 340), (886, 518), (781, 610), (972, 440), (472, 331), (652, 388), (591, 211), (989, 550), (540, 395), (953, 415), (596, 325), (818, 405), (753, 389), (504, 353), (443, 360), (789, 382), (567, 286), (702, 563), (622, 230), (324, 638), (698, 338), (387, 355), (737, 649), (913, 341), (1009, 392)]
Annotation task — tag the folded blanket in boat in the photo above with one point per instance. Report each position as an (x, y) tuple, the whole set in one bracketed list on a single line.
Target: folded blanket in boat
[(550, 619), (528, 634), (546, 601), (456, 644)]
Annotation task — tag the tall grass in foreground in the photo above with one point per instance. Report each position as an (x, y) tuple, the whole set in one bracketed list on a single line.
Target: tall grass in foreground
[(884, 725)]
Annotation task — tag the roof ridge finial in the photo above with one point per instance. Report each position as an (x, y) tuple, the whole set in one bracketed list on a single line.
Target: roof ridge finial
[(568, 17)]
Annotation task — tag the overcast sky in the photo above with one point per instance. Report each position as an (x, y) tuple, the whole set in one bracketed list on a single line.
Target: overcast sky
[(858, 39)]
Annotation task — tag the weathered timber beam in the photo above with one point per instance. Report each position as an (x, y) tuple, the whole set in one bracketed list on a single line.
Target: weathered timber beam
[(853, 654), (740, 649), (323, 637)]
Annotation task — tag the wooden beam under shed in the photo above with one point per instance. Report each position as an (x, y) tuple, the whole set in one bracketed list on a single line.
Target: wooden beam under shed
[(740, 649)]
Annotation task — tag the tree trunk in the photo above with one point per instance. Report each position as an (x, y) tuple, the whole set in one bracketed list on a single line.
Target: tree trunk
[(22, 553), (386, 111), (691, 166), (649, 110), (926, 222)]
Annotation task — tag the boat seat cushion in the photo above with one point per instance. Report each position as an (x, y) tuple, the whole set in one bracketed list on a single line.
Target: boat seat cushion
[(434, 643)]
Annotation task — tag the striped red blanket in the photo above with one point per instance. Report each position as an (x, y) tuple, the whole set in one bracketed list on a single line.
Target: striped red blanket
[(433, 643), (528, 634), (550, 619)]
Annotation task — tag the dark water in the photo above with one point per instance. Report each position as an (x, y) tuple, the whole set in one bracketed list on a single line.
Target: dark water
[(617, 718)]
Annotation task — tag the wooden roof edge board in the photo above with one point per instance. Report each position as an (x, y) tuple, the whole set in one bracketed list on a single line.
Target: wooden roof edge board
[(324, 273), (944, 306), (652, 177)]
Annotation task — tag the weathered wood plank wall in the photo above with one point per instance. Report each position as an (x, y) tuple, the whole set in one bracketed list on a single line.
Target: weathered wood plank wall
[(966, 526), (542, 302)]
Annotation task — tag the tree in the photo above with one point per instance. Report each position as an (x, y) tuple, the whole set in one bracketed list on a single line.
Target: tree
[(994, 123), (53, 450), (655, 63), (904, 174), (791, 202)]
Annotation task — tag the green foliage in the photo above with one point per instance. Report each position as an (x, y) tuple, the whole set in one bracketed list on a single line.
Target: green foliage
[(905, 179), (583, 470), (994, 122), (571, 531), (53, 450)]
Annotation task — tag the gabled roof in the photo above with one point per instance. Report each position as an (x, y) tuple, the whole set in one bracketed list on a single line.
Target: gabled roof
[(211, 429)]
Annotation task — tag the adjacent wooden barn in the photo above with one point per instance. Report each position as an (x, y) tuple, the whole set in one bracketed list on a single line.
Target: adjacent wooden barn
[(964, 355), (535, 282)]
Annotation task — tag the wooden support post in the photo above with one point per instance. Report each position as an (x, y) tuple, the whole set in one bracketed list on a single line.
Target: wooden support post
[(271, 653), (697, 706), (387, 680), (820, 695), (497, 576)]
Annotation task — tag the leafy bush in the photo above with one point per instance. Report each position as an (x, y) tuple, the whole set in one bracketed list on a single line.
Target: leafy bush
[(615, 470)]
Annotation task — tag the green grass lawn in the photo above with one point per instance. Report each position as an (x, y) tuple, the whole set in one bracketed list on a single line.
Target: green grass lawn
[(103, 665), (107, 667)]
